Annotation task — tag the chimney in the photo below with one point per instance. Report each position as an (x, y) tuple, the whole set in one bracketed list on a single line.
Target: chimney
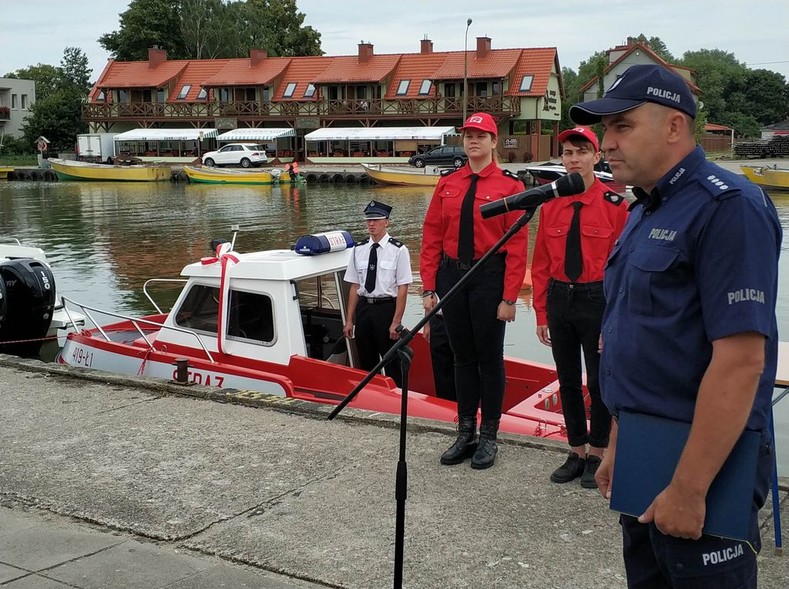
[(365, 52), (156, 56), (483, 46), (256, 56), (426, 46)]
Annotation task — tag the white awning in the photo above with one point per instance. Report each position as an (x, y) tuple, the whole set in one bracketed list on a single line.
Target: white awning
[(166, 135), (379, 133), (257, 134)]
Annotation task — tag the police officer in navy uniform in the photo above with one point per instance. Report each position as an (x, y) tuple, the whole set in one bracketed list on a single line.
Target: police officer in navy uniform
[(380, 270), (574, 237), (454, 238), (689, 331)]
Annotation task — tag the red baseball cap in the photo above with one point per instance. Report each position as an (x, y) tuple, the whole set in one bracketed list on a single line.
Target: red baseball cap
[(481, 121), (583, 132)]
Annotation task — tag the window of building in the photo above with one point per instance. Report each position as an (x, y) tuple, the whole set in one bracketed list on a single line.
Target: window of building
[(425, 87), (481, 89), (402, 89), (526, 83), (224, 95), (361, 92), (496, 88), (202, 94), (101, 97), (310, 91), (289, 90), (161, 95), (13, 101), (123, 96), (24, 101), (184, 91), (449, 90)]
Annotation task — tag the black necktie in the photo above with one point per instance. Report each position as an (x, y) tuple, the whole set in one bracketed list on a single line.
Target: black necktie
[(573, 264), (466, 233), (369, 281)]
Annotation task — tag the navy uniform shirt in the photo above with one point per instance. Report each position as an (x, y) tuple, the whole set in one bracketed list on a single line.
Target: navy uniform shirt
[(394, 267), (697, 261)]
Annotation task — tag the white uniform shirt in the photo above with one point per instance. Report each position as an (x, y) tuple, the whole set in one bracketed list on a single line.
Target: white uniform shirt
[(394, 267)]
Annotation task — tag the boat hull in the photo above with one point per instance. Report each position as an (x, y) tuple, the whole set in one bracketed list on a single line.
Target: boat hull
[(209, 175), (82, 171), (405, 177), (308, 379), (767, 177), (4, 171)]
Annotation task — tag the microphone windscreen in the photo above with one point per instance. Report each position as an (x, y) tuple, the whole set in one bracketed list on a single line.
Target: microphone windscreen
[(570, 184)]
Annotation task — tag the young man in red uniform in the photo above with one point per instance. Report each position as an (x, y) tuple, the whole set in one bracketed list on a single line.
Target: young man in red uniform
[(574, 237), (454, 238)]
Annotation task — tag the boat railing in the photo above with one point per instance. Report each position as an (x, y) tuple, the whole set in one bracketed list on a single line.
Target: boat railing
[(135, 321), (160, 280)]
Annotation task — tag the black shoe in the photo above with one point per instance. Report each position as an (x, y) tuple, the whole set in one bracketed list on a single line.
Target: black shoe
[(465, 444), (572, 468), (587, 478), (485, 454)]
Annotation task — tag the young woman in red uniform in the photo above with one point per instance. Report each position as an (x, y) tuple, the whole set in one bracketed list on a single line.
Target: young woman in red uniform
[(568, 298), (454, 238)]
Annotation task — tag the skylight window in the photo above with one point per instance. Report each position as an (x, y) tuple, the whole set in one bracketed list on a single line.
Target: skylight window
[(184, 91), (402, 89), (310, 91), (289, 90), (526, 83), (203, 93), (425, 87)]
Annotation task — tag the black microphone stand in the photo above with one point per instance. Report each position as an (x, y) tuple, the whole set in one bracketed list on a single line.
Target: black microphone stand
[(405, 354)]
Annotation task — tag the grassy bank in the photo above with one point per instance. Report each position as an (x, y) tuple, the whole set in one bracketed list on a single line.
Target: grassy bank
[(18, 160)]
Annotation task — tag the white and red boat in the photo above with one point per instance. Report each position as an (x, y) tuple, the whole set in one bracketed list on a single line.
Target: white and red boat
[(271, 322), (547, 172)]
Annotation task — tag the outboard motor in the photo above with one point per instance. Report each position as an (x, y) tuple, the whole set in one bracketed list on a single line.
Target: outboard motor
[(29, 303)]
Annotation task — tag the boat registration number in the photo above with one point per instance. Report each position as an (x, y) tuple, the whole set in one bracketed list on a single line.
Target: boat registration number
[(82, 357)]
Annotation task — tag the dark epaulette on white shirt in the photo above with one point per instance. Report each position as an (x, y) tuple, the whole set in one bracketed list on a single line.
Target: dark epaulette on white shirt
[(395, 242), (365, 242), (614, 198)]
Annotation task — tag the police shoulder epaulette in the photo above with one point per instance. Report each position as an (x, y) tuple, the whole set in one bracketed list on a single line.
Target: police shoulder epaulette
[(613, 197), (395, 242), (718, 188), (448, 171), (366, 241)]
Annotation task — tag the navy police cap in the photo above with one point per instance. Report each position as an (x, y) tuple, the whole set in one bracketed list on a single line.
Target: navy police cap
[(377, 210), (638, 85)]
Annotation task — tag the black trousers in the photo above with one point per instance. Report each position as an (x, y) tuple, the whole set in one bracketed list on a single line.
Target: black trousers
[(575, 312), (372, 336), (443, 359), (476, 336)]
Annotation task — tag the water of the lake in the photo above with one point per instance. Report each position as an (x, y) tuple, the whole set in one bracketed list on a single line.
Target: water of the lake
[(105, 240)]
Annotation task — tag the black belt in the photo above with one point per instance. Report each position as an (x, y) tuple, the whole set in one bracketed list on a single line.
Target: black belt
[(463, 265), (577, 285), (376, 300)]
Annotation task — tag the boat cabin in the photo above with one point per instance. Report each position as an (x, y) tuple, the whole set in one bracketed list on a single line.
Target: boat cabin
[(266, 305)]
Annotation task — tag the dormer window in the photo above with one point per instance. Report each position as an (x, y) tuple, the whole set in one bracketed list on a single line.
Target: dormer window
[(402, 89), (310, 91), (289, 90), (526, 83), (202, 94), (424, 89), (184, 91)]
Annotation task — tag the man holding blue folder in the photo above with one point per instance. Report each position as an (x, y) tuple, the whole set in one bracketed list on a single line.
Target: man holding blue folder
[(689, 332)]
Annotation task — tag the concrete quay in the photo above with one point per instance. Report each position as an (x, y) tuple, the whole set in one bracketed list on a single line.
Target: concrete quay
[(113, 482)]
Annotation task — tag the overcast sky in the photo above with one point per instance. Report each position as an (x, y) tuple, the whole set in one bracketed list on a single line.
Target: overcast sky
[(37, 31)]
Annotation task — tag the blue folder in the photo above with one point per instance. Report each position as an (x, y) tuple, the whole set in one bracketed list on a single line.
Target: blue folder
[(648, 449)]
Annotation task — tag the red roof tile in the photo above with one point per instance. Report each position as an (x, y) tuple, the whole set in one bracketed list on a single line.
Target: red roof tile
[(302, 71), (239, 72), (348, 69), (137, 74)]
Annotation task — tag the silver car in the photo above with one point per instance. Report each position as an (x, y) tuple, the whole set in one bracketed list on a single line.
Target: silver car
[(245, 155)]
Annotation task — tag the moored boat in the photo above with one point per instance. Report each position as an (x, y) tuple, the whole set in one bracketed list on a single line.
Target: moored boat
[(272, 322), (214, 175), (4, 171), (427, 176), (547, 172), (768, 177), (77, 170)]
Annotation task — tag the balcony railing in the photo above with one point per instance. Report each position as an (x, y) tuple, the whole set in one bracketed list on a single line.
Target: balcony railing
[(434, 107)]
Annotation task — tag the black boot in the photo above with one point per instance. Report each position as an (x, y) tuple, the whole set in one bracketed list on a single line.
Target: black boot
[(465, 444), (487, 448)]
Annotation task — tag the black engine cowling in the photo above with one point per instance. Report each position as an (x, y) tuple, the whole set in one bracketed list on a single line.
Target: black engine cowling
[(29, 303)]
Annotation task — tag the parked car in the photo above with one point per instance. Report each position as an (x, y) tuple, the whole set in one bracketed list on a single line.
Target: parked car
[(245, 155), (446, 155)]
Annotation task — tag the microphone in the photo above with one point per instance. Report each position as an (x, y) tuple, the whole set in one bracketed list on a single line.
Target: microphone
[(566, 185)]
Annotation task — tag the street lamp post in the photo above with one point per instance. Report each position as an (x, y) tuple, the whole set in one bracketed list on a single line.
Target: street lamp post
[(465, 72)]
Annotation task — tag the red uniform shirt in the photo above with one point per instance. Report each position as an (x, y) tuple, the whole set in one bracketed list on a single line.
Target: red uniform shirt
[(442, 225), (602, 218)]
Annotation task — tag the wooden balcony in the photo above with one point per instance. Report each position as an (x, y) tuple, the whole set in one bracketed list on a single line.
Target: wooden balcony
[(253, 112)]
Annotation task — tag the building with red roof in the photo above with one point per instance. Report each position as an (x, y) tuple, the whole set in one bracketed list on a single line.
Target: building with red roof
[(521, 88)]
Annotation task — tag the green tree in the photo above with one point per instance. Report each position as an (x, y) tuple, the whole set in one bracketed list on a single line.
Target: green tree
[(714, 69), (147, 23), (657, 45), (203, 24), (46, 78)]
